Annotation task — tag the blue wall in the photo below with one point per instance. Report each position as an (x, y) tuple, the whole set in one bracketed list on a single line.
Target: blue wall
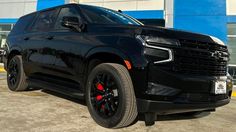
[(8, 20), (42, 4), (202, 16), (147, 14), (231, 19)]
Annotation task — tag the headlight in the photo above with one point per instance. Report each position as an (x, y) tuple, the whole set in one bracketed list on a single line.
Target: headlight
[(152, 40), (164, 54)]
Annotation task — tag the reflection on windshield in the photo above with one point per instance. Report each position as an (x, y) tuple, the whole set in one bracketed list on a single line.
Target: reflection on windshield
[(100, 15)]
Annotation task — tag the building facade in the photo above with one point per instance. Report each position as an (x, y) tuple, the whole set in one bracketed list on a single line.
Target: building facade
[(212, 17)]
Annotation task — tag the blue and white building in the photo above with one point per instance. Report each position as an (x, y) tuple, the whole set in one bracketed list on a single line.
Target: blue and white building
[(212, 17)]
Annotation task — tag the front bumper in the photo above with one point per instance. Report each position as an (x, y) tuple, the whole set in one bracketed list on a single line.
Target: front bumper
[(169, 93), (166, 107)]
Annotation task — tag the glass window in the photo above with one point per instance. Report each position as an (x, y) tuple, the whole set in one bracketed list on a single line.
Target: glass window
[(23, 24), (72, 12), (3, 37), (99, 15), (232, 72), (232, 42), (232, 29), (232, 49), (4, 31), (5, 27), (45, 21)]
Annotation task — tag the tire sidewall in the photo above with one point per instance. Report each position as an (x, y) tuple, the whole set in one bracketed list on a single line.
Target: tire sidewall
[(117, 117)]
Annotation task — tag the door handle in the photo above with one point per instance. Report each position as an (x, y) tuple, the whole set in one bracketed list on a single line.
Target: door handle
[(26, 38), (50, 37)]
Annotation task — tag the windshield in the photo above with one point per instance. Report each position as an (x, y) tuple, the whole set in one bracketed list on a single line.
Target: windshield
[(100, 15)]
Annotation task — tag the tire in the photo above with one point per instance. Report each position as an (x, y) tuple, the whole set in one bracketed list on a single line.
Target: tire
[(16, 78), (121, 109)]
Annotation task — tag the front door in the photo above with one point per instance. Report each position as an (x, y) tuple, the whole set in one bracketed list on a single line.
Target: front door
[(62, 41)]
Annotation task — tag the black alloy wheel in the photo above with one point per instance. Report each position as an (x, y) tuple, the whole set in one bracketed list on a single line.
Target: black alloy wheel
[(16, 78), (13, 73), (110, 96), (105, 95)]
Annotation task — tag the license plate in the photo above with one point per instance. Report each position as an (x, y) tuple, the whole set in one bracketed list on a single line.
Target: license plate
[(220, 87)]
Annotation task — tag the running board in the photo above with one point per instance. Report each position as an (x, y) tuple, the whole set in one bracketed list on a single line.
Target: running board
[(56, 88)]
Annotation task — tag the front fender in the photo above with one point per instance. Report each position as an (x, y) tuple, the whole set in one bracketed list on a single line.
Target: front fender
[(110, 50)]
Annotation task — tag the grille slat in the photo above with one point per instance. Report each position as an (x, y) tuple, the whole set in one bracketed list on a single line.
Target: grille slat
[(199, 58)]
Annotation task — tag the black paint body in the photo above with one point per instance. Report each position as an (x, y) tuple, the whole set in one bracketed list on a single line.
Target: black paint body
[(63, 56)]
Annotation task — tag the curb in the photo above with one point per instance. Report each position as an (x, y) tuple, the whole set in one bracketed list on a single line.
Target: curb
[(234, 91), (1, 68), (233, 94)]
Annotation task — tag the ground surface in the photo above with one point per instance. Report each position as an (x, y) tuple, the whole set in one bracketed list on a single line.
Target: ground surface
[(45, 111)]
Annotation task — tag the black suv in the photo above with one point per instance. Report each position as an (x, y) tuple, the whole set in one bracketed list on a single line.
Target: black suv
[(117, 64)]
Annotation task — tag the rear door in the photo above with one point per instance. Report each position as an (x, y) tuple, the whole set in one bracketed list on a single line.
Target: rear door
[(39, 55)]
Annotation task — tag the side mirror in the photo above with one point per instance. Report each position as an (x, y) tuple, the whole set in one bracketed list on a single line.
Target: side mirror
[(72, 22)]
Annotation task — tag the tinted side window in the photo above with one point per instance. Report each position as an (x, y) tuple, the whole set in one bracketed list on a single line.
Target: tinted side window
[(67, 11), (45, 21), (22, 24)]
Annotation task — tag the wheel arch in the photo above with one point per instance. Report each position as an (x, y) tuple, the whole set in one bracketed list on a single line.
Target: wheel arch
[(107, 54), (103, 55), (109, 50), (12, 52)]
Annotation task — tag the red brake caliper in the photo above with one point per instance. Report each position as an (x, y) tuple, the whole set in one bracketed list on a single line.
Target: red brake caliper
[(99, 87), (99, 97)]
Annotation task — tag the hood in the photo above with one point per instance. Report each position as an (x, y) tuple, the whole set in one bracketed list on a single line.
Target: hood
[(159, 32), (175, 34)]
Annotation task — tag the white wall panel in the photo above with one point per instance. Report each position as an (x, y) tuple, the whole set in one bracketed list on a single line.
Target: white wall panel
[(30, 7), (16, 8), (231, 7), (127, 4), (94, 3), (169, 12), (150, 5), (124, 5), (11, 10)]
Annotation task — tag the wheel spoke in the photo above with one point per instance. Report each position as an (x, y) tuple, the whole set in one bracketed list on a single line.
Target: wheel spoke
[(98, 80), (103, 78), (99, 91), (112, 105)]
